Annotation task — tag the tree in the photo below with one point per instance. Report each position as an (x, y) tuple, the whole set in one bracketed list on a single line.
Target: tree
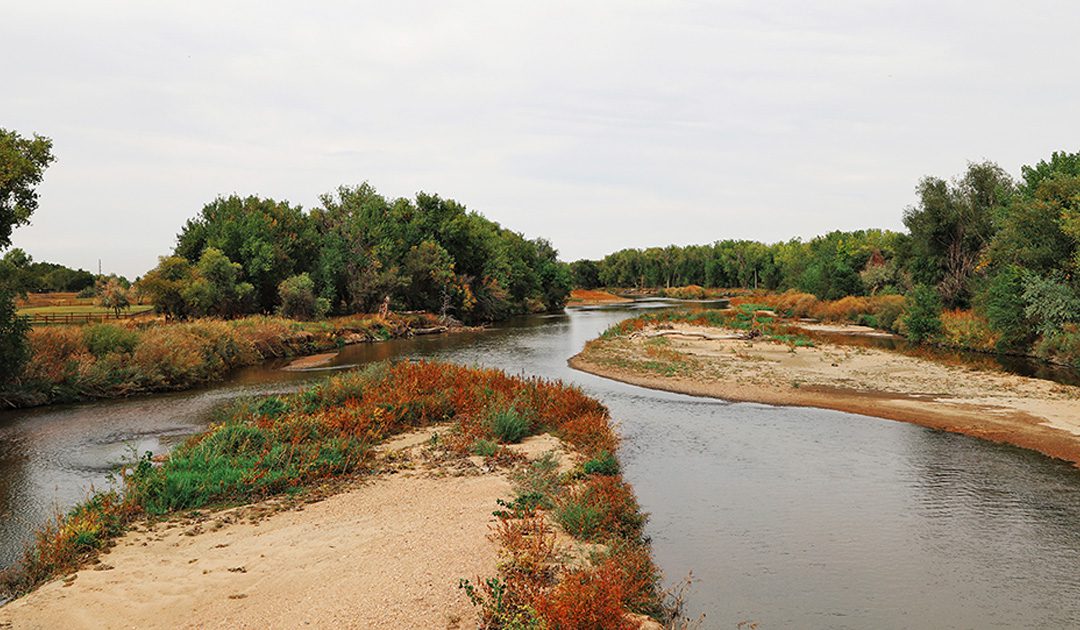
[(952, 225), (298, 299), (922, 314), (271, 240), (164, 285), (22, 163), (430, 271), (112, 294), (585, 274)]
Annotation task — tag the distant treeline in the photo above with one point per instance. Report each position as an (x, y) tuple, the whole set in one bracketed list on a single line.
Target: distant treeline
[(20, 273), (1008, 249), (251, 255)]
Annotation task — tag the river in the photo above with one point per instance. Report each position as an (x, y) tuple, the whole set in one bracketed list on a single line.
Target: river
[(787, 517)]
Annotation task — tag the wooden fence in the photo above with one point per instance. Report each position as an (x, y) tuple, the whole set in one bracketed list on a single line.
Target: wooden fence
[(47, 319)]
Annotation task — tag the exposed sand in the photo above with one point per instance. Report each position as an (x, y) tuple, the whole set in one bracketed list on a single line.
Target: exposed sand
[(1027, 412), (387, 552), (308, 362)]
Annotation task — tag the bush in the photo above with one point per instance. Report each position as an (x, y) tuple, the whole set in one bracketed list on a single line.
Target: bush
[(965, 329), (509, 425), (102, 339), (485, 448), (922, 314), (14, 349), (603, 464), (1061, 346), (1003, 304), (297, 295)]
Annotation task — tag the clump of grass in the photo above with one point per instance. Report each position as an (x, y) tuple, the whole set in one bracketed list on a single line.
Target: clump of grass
[(539, 478), (485, 448), (603, 464), (509, 425)]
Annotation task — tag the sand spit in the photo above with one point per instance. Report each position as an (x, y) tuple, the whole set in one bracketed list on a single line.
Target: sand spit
[(386, 552), (1027, 412)]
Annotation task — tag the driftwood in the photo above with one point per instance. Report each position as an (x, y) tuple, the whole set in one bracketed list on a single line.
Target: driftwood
[(434, 330)]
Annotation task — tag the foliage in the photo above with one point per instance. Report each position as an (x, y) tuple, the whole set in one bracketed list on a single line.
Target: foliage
[(22, 163), (509, 425), (1004, 307), (14, 349), (113, 295), (297, 295), (922, 314), (1050, 302), (103, 339), (952, 226), (603, 464), (108, 360)]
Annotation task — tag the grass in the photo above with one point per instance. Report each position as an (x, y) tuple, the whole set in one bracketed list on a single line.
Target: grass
[(72, 363)]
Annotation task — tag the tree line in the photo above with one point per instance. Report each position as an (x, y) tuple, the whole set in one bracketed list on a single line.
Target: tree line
[(1010, 249), (353, 253)]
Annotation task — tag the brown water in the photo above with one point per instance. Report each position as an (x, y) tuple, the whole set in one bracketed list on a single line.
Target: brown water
[(788, 517)]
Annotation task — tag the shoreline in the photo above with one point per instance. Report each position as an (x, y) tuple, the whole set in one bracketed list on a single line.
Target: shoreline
[(1052, 434), (380, 514)]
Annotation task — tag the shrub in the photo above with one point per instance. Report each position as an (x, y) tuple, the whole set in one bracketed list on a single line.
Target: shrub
[(600, 509), (485, 448), (1061, 346), (102, 339), (297, 295), (922, 314), (965, 329), (603, 464), (14, 349), (1003, 304), (509, 425)]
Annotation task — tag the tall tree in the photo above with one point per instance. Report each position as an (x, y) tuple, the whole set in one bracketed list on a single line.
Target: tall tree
[(952, 225), (22, 164)]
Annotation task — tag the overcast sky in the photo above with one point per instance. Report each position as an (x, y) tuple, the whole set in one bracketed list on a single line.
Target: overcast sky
[(599, 125)]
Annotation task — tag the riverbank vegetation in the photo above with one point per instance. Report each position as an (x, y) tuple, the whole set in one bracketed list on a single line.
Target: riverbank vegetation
[(284, 444), (352, 254), (1001, 256), (109, 360)]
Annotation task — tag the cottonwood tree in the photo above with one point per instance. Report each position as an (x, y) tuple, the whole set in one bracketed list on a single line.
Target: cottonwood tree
[(22, 164)]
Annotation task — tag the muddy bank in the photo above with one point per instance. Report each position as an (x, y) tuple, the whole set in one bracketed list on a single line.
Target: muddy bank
[(1025, 412)]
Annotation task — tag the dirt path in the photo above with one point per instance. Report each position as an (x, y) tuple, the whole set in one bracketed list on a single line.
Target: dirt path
[(386, 553), (1031, 413)]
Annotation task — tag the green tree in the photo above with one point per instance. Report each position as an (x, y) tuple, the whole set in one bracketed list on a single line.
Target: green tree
[(297, 294), (922, 314), (271, 240), (952, 225), (1004, 307), (22, 164), (165, 284), (430, 272)]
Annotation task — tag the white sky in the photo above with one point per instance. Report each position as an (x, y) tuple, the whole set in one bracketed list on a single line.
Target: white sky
[(599, 125)]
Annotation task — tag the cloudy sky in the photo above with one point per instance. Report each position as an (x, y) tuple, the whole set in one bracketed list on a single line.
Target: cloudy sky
[(599, 125)]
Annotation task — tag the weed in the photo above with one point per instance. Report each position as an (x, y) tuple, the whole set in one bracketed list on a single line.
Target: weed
[(603, 464)]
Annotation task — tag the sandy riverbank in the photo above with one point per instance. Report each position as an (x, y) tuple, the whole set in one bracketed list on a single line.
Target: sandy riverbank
[(385, 552), (1031, 413)]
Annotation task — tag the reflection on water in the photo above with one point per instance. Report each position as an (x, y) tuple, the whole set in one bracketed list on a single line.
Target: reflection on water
[(789, 517)]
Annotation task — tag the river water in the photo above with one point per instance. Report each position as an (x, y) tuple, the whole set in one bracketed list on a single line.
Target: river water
[(787, 517)]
